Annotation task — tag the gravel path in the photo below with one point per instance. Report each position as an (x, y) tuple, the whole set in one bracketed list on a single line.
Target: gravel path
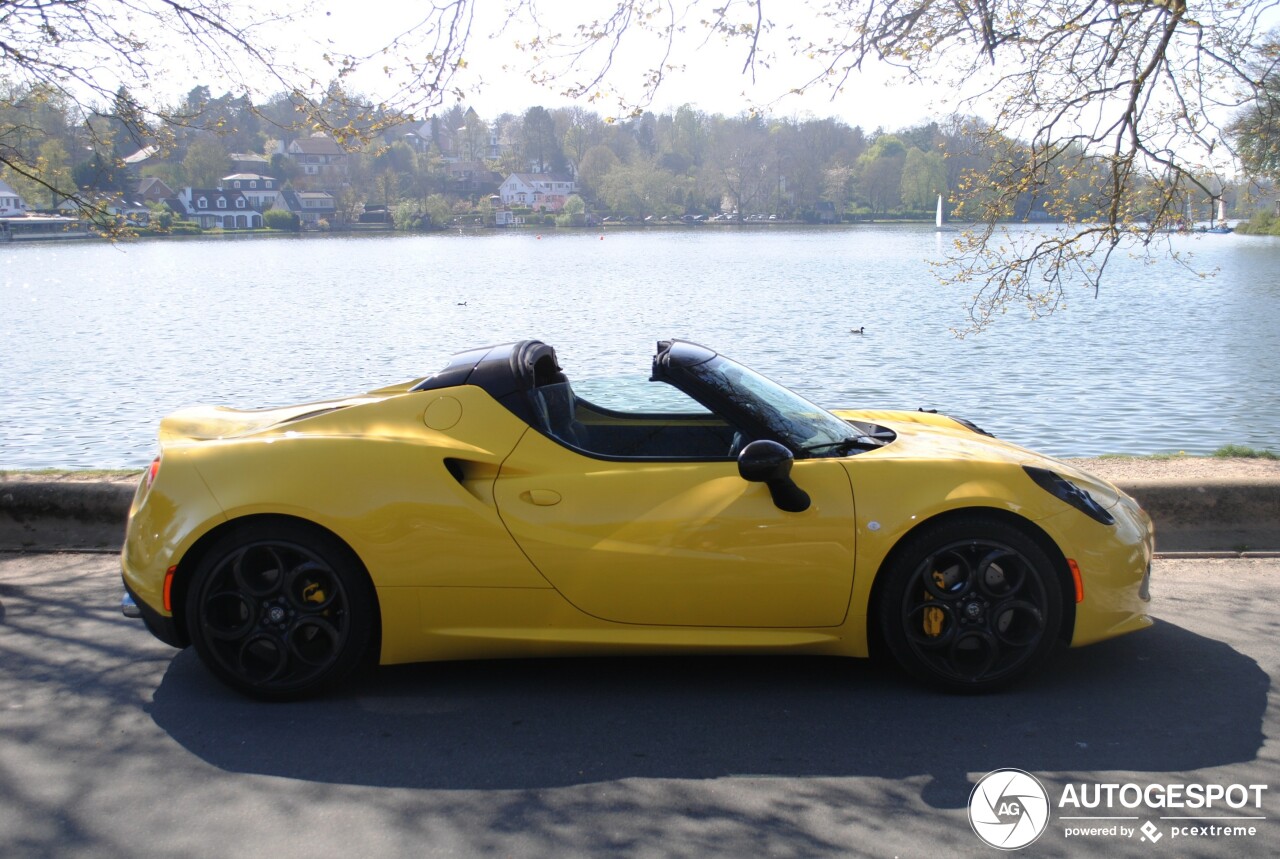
[(1206, 468)]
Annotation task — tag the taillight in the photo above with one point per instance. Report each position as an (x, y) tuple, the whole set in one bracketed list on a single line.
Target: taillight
[(148, 478)]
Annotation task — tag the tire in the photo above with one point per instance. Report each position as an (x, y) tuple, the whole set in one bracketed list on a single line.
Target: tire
[(971, 605), (280, 610)]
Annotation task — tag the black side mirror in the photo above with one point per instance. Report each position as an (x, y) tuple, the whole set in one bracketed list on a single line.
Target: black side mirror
[(769, 463)]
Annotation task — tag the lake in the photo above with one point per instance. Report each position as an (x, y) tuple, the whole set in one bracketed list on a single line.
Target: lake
[(100, 341)]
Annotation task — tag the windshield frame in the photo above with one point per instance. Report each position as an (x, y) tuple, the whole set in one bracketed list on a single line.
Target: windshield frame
[(751, 400)]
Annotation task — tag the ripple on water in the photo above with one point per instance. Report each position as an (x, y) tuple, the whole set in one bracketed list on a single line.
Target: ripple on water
[(1162, 361)]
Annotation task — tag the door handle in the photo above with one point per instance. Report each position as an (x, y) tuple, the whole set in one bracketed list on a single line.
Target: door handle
[(541, 497)]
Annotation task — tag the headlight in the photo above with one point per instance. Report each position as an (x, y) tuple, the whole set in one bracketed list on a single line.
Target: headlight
[(1064, 490)]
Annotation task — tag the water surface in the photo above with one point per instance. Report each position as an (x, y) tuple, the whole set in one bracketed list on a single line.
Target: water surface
[(100, 341)]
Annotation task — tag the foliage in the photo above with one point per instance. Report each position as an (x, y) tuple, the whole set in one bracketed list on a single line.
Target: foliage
[(1244, 452), (161, 217), (1262, 223), (438, 210), (1257, 126), (281, 219), (205, 163)]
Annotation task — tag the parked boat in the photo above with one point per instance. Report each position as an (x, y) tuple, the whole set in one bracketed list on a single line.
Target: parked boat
[(37, 227)]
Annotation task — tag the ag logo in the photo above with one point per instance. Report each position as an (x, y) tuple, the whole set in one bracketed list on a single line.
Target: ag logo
[(1008, 809)]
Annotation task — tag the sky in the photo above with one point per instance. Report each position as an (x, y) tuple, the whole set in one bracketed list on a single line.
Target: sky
[(496, 75)]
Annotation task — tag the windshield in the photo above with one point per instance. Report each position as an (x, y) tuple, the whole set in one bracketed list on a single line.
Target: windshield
[(800, 423)]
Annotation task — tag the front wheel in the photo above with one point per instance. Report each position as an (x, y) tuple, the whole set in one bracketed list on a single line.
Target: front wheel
[(971, 605), (278, 610)]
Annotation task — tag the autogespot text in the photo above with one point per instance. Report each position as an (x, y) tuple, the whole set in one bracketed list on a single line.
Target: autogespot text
[(1200, 810)]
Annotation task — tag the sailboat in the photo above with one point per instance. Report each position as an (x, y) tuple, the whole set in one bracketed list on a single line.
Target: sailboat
[(938, 219), (1221, 225)]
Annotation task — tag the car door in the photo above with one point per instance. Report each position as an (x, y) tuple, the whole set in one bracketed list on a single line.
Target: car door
[(685, 543)]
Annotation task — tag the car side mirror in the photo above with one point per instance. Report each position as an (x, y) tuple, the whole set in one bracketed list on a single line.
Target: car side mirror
[(768, 462)]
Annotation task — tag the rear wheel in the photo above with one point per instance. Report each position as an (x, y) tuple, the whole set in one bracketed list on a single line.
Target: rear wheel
[(279, 610), (971, 605)]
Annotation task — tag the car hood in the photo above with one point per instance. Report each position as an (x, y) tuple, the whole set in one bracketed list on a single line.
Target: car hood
[(930, 436)]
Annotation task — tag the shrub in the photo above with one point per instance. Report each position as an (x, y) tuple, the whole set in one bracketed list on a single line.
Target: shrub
[(281, 219)]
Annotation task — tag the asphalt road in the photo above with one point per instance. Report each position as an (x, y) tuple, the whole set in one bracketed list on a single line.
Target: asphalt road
[(112, 744)]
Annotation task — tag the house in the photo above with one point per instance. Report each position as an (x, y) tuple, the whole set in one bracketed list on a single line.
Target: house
[(319, 157), (11, 203), (311, 207), (216, 207), (248, 162), (434, 131), (98, 207), (471, 177), (134, 163), (262, 192), (455, 144), (153, 190), (536, 190)]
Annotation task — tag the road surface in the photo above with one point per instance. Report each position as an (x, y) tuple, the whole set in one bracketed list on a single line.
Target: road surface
[(115, 745)]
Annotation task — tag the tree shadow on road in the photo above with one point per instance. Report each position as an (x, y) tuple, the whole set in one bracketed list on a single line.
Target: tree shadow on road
[(1166, 700)]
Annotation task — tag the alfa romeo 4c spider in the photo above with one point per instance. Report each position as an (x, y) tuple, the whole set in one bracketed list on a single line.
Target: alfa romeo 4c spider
[(493, 510)]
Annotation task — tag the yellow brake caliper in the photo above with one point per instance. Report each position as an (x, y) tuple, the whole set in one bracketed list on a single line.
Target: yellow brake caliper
[(313, 593), (934, 618)]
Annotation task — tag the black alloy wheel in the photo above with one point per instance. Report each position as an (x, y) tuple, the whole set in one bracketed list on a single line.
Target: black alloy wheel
[(279, 611), (971, 605)]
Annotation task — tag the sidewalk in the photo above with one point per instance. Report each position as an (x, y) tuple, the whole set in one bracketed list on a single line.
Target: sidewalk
[(1197, 506)]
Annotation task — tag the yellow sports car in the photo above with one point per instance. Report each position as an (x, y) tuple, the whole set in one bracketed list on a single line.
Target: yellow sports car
[(491, 510)]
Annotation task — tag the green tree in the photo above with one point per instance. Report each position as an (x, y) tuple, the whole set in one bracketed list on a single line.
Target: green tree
[(597, 163), (880, 174), (539, 142), (1257, 127), (206, 162), (161, 217), (924, 177), (99, 173), (641, 188), (438, 210)]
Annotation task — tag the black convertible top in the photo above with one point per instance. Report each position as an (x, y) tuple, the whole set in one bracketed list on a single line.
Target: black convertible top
[(508, 372)]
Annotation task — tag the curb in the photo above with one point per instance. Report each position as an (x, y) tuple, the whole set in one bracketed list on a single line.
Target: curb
[(64, 514), (1236, 518)]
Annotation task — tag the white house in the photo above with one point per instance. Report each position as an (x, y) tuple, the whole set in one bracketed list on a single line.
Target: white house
[(537, 190), (10, 202), (217, 207), (262, 192)]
